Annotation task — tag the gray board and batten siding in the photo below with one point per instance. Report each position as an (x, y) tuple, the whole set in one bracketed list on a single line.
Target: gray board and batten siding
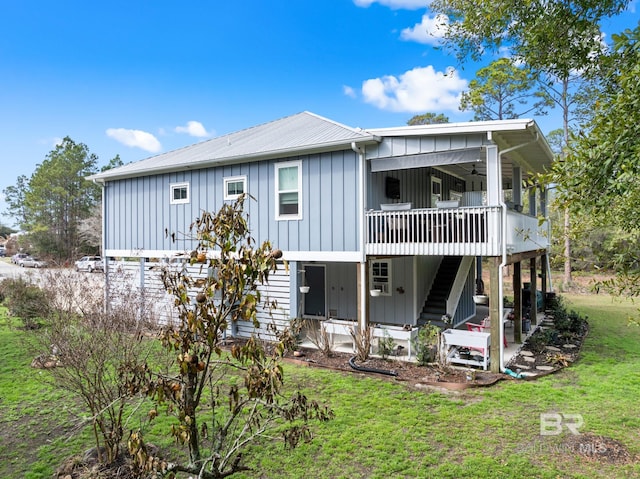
[(147, 275), (427, 150), (414, 160), (415, 187), (139, 211)]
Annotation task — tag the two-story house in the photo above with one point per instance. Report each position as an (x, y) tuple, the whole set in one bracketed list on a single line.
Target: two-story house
[(381, 226)]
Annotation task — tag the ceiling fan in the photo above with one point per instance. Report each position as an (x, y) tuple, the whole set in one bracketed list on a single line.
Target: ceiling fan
[(475, 172)]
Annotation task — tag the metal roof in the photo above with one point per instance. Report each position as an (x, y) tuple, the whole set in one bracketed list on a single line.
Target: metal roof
[(307, 133), (299, 134)]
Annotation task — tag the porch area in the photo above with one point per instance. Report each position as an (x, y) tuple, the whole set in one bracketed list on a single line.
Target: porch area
[(342, 341)]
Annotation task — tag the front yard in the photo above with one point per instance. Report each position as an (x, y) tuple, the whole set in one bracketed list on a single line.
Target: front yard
[(384, 428)]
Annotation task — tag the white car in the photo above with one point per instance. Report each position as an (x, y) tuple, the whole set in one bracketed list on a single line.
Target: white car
[(30, 262), (16, 258), (90, 264)]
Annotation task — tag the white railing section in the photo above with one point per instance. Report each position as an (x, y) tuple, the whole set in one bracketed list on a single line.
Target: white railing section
[(526, 233), (465, 231)]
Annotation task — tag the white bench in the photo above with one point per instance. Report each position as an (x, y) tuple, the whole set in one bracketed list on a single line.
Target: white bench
[(458, 338), (343, 327)]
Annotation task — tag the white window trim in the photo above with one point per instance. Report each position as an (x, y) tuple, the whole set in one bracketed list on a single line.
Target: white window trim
[(174, 186), (288, 164), (373, 285), (234, 179), (435, 197)]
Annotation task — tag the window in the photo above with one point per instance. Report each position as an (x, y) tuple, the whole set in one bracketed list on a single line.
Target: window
[(381, 277), (288, 186), (234, 186), (436, 191), (179, 193)]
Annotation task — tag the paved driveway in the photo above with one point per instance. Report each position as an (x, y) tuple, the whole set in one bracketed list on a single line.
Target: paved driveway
[(8, 269)]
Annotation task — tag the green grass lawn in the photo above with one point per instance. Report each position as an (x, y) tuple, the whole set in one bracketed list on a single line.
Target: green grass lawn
[(383, 429)]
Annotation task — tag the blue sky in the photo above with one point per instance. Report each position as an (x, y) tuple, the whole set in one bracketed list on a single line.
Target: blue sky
[(136, 78)]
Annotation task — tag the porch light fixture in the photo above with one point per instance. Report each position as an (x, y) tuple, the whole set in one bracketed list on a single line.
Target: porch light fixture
[(304, 289)]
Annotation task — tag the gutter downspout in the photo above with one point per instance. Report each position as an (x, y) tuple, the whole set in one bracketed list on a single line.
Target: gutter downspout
[(503, 263), (363, 319)]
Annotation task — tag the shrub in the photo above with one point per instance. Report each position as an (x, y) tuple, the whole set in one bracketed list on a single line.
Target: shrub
[(386, 345), (362, 341), (426, 344), (565, 322), (25, 300), (316, 333), (100, 352)]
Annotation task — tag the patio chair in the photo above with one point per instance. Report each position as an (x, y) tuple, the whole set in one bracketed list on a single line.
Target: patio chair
[(486, 326), (478, 328)]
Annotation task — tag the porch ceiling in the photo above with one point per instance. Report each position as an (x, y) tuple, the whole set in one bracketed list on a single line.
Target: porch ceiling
[(532, 154)]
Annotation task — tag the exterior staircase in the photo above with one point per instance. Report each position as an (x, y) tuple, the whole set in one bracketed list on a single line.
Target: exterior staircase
[(436, 304)]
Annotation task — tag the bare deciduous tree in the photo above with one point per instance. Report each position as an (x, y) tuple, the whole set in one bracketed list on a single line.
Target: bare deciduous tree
[(98, 352)]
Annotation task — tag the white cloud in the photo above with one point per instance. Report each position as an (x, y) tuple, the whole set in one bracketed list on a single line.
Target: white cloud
[(394, 4), (135, 139), (418, 90), (348, 91), (51, 141), (193, 128), (429, 31)]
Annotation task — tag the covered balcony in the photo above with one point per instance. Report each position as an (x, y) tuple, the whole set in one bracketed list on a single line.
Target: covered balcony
[(461, 231)]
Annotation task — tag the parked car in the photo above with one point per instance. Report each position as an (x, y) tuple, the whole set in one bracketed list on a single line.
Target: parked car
[(16, 258), (30, 262), (90, 264)]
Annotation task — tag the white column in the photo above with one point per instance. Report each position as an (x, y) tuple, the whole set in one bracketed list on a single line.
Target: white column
[(517, 185), (494, 181)]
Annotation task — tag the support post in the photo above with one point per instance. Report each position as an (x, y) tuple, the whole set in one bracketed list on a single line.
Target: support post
[(142, 287), (533, 290), (494, 313), (517, 302), (543, 281), (363, 296)]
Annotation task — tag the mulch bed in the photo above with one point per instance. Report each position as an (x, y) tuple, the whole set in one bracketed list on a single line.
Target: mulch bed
[(403, 371), (544, 352), (599, 449), (548, 350)]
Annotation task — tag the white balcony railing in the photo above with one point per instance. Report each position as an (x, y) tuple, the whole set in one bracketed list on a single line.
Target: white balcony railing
[(462, 231)]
